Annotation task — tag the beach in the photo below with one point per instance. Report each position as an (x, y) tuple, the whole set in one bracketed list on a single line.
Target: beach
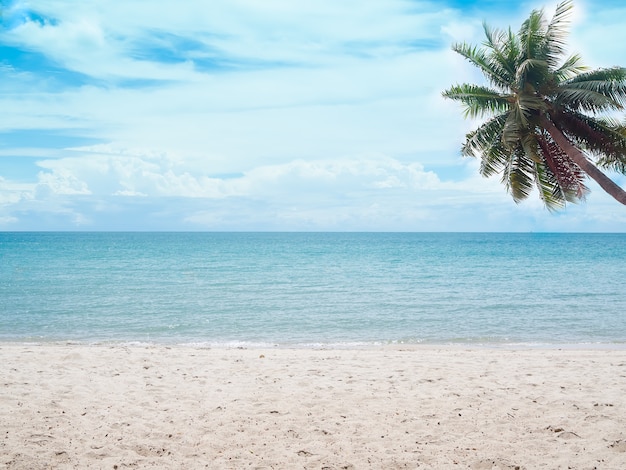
[(156, 406)]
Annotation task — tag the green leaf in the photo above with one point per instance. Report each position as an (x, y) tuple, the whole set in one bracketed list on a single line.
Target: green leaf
[(478, 101)]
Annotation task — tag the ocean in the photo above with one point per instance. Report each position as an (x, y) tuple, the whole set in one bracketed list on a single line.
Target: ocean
[(313, 289)]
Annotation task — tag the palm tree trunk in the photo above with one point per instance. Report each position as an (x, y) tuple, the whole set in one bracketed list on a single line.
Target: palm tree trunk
[(583, 162)]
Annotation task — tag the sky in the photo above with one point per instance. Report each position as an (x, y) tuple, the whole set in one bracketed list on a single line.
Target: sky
[(280, 115)]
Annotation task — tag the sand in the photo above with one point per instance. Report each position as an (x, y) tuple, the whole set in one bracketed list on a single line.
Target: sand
[(117, 407)]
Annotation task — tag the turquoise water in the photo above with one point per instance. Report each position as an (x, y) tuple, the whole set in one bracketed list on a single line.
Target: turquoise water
[(313, 289)]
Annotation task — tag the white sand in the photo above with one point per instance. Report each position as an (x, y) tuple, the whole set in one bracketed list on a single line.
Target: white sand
[(64, 406)]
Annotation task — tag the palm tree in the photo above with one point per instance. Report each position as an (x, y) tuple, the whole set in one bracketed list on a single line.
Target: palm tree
[(545, 113)]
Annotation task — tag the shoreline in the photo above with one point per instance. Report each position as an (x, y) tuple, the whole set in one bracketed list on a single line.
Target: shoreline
[(347, 346), (395, 406)]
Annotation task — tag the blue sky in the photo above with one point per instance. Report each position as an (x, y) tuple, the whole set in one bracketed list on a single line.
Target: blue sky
[(274, 115)]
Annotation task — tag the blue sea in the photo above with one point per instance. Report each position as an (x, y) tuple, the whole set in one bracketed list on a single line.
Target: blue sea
[(313, 289)]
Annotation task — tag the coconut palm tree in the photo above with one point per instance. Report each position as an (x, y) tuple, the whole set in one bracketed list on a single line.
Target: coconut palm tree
[(548, 115)]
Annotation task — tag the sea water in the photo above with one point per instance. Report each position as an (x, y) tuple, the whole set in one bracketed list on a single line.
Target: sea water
[(313, 289)]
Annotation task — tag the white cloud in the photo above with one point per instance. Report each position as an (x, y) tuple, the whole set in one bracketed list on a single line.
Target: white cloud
[(101, 170), (102, 41), (12, 193)]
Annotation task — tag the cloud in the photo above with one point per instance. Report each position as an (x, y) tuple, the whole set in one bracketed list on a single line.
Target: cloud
[(103, 170), (112, 41), (352, 80)]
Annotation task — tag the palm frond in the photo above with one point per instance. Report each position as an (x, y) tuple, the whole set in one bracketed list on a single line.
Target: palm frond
[(530, 147), (595, 91), (532, 35), (604, 138), (518, 175), (531, 103), (479, 57), (556, 33), (516, 124), (494, 159), (548, 188), (616, 161), (532, 71), (503, 52), (570, 68), (610, 74), (486, 143), (478, 101), (488, 134), (578, 98), (512, 48)]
